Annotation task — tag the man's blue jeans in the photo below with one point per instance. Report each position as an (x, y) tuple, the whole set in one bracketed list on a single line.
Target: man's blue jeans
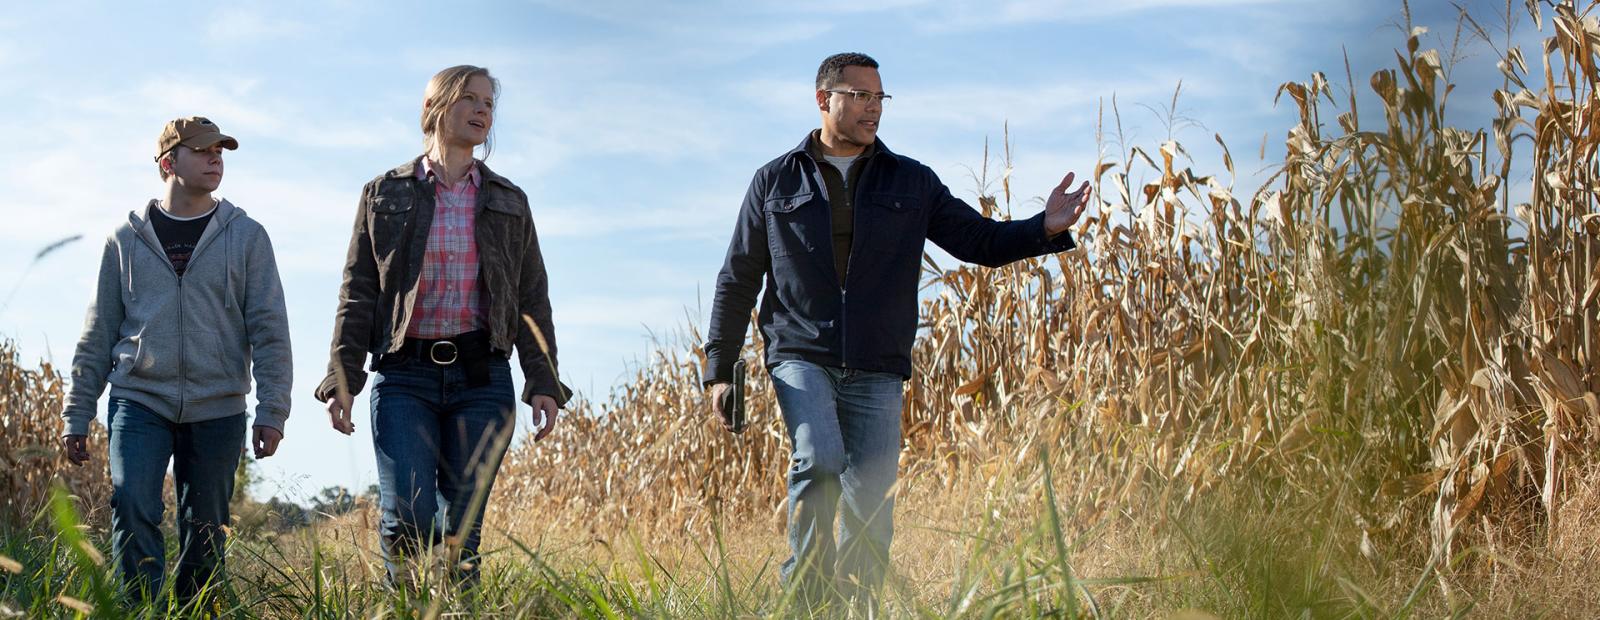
[(844, 425), (204, 458), (439, 444)]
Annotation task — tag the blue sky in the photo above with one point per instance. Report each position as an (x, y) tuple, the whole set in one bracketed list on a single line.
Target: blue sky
[(634, 126)]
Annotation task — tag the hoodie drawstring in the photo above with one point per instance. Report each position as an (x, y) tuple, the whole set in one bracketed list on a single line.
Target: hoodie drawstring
[(133, 293), (227, 267)]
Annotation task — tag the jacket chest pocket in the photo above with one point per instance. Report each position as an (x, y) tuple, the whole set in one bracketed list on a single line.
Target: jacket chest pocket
[(501, 241), (390, 219), (894, 223), (796, 224)]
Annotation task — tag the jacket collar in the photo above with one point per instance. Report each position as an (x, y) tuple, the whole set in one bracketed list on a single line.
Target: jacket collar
[(408, 170), (878, 148), (428, 169)]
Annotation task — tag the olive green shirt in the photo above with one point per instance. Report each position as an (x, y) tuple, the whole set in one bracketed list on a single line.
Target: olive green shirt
[(841, 200)]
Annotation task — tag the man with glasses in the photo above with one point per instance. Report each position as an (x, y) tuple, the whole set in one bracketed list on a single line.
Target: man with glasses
[(835, 229)]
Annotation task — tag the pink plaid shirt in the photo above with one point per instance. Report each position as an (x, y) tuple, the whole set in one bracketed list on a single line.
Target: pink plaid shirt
[(449, 301)]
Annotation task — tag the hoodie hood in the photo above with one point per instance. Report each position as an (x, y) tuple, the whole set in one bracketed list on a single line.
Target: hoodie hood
[(223, 215)]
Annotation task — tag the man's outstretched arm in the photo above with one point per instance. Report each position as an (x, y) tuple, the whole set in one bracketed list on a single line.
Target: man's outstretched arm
[(967, 235)]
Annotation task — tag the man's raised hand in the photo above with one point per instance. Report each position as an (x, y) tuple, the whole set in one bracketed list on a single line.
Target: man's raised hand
[(1062, 209)]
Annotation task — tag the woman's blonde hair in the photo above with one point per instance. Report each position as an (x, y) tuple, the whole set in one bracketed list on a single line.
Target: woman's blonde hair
[(444, 89)]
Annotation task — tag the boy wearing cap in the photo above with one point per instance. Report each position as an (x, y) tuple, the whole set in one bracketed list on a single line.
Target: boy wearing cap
[(188, 302)]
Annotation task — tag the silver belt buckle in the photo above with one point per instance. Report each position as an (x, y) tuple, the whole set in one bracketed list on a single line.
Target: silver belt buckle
[(448, 348)]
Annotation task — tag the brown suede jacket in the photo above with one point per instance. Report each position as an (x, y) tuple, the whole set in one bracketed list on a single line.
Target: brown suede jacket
[(385, 258)]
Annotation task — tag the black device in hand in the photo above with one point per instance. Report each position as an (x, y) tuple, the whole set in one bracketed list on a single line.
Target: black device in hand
[(733, 400)]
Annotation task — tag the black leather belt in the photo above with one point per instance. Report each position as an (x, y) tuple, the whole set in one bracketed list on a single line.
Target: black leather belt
[(471, 350), (444, 352)]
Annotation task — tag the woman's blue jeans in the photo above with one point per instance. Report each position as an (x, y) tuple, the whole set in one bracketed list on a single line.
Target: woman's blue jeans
[(439, 443)]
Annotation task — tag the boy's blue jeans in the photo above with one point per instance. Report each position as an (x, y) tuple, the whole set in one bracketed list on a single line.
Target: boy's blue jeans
[(204, 458)]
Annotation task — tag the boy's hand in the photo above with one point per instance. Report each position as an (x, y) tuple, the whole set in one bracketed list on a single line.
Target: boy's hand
[(265, 440), (77, 447)]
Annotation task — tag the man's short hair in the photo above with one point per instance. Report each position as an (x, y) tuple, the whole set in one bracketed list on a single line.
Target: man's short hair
[(833, 67)]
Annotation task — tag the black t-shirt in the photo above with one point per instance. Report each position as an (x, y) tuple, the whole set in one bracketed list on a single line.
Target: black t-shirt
[(178, 237)]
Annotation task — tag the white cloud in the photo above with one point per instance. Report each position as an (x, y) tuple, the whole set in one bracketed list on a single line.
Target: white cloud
[(614, 118), (309, 221), (740, 42), (559, 103), (584, 222), (539, 61), (716, 30), (245, 107), (711, 217), (238, 25), (625, 313), (826, 8), (962, 15), (778, 95), (985, 106), (76, 192)]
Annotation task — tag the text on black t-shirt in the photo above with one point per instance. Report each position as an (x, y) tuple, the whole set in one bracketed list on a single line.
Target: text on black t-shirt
[(178, 237)]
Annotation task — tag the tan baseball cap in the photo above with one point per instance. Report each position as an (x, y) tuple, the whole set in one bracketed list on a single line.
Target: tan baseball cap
[(196, 132)]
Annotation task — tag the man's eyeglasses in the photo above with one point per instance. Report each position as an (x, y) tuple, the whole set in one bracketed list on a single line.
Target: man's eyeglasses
[(861, 96)]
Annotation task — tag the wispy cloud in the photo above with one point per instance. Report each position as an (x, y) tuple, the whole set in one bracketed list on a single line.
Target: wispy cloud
[(563, 103), (723, 30), (244, 105), (673, 218), (774, 95), (624, 313), (79, 195), (657, 122), (535, 59), (237, 25), (964, 15), (979, 105)]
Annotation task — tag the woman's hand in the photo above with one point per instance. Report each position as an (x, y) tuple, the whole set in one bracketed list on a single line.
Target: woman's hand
[(545, 411)]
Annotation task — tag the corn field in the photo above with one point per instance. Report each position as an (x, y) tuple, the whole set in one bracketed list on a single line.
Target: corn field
[(1401, 318), (30, 459), (1379, 314)]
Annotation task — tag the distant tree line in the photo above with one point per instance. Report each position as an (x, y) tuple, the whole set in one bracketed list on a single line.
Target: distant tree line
[(281, 515)]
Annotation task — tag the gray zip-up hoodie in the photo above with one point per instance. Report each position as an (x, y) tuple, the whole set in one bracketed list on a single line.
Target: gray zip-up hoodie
[(184, 347)]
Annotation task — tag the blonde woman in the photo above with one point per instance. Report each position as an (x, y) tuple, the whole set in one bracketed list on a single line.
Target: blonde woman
[(443, 278)]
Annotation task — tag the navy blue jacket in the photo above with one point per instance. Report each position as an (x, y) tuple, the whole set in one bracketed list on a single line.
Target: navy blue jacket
[(784, 237)]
